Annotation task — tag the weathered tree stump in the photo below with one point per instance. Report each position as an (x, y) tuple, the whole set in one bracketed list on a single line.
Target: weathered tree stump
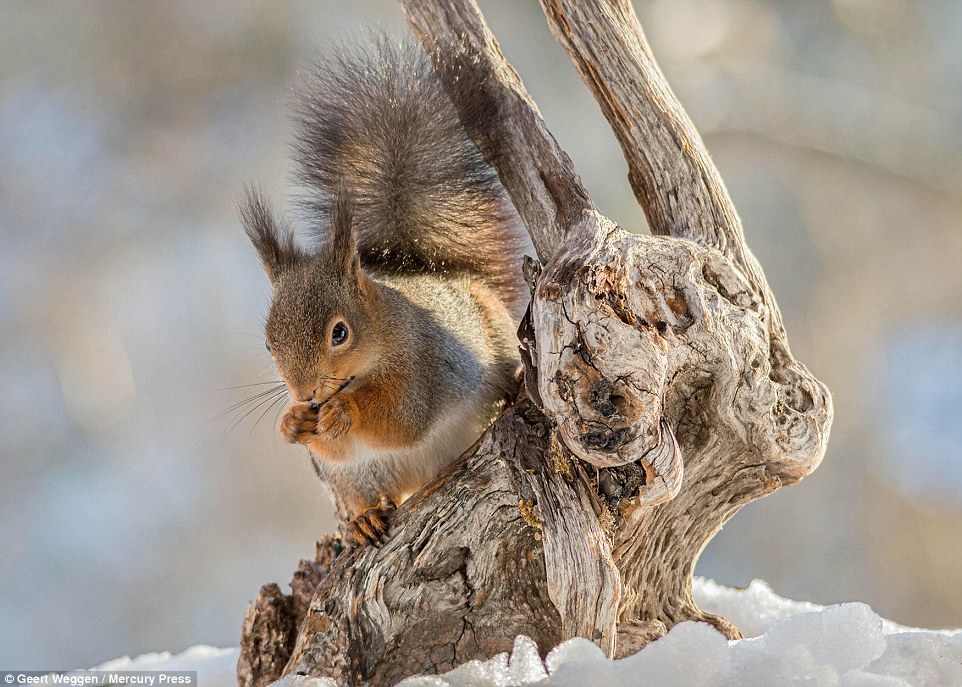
[(661, 397)]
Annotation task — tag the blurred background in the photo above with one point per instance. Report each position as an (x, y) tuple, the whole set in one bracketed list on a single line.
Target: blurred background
[(136, 516)]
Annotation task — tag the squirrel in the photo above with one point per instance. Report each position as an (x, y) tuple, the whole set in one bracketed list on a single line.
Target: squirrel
[(395, 332)]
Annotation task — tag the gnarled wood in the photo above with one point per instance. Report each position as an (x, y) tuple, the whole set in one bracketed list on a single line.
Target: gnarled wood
[(663, 395), (466, 568), (273, 620)]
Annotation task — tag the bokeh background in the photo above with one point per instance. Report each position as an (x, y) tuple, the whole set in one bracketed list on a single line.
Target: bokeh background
[(135, 517)]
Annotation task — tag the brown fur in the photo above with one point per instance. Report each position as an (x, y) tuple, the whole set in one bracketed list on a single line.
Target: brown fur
[(415, 267), (378, 120)]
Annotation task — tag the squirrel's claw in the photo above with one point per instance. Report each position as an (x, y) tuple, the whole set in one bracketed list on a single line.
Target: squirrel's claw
[(370, 527), (303, 423), (299, 423), (333, 419)]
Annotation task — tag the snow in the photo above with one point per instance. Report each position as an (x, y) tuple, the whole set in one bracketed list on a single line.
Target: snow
[(215, 667), (787, 643)]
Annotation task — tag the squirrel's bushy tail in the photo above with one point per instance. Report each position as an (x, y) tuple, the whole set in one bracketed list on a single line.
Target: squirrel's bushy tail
[(379, 121)]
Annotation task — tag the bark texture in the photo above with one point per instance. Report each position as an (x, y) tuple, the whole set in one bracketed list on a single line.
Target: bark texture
[(661, 395), (272, 621)]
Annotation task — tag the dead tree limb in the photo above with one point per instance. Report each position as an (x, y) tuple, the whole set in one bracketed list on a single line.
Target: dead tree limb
[(662, 395), (669, 168)]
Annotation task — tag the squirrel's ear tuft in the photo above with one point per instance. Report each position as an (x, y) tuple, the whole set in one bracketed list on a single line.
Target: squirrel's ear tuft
[(274, 242), (343, 241)]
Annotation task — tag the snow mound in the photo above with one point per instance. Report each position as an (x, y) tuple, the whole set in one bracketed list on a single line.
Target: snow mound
[(787, 643), (215, 667)]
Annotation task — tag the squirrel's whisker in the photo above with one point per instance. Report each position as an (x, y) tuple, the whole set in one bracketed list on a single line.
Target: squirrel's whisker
[(252, 399), (244, 386), (270, 405), (280, 394), (344, 385), (253, 405)]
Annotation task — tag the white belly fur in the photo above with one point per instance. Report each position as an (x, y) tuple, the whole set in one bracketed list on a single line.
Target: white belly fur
[(401, 472)]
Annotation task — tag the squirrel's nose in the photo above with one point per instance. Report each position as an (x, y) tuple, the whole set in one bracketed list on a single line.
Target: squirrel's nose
[(307, 398)]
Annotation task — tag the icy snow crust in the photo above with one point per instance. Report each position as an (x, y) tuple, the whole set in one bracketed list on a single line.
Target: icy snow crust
[(787, 643), (215, 667)]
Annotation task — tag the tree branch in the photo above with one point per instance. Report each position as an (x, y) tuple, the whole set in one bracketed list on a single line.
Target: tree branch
[(669, 168), (662, 394)]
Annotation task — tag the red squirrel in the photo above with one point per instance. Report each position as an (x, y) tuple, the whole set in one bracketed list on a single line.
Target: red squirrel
[(394, 331)]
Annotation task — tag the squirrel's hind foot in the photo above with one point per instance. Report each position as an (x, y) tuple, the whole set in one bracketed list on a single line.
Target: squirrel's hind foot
[(370, 527)]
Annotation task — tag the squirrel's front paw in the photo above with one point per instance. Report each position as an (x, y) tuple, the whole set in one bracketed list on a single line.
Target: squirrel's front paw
[(334, 419), (299, 423)]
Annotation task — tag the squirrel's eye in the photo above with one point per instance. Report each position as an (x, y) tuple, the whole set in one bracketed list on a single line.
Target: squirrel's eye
[(267, 346), (339, 334)]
